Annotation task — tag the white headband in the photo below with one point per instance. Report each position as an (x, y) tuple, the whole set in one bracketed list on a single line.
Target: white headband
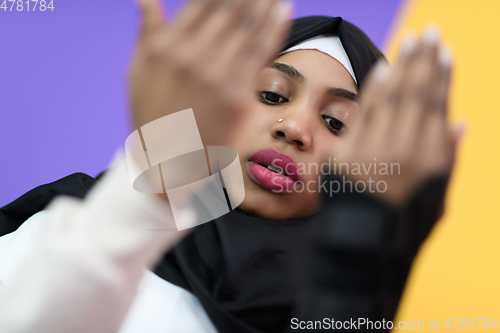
[(330, 45)]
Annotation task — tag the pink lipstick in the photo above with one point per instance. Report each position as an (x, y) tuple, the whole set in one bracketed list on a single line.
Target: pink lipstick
[(273, 170)]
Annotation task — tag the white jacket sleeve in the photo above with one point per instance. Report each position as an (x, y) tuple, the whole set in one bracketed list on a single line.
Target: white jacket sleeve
[(81, 272)]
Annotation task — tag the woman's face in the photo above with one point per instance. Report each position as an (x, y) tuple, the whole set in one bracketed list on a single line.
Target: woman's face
[(315, 96)]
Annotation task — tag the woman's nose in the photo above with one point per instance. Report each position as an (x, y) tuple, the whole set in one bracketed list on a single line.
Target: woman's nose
[(294, 129)]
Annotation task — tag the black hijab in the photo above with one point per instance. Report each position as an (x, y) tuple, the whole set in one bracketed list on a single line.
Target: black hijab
[(361, 51), (246, 271)]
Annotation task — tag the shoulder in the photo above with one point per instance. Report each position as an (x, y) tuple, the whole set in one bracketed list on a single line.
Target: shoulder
[(18, 211), (161, 306), (15, 246), (24, 219)]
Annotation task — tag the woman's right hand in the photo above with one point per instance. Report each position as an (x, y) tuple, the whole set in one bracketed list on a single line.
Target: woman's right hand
[(207, 59)]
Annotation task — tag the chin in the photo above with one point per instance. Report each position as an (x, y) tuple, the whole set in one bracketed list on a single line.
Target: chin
[(263, 203), (275, 208)]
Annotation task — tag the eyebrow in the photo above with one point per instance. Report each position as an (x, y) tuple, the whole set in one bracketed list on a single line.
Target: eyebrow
[(288, 70), (297, 76), (344, 93)]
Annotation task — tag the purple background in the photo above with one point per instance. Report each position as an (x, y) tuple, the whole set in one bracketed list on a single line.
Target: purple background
[(63, 88)]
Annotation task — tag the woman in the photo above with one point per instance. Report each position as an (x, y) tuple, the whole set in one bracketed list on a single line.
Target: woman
[(247, 269)]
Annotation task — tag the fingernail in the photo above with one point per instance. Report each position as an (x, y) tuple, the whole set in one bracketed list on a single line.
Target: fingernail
[(432, 35), (281, 10), (409, 44), (445, 57), (382, 71)]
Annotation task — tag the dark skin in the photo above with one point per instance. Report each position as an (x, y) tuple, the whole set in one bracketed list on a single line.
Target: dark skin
[(316, 115), (227, 72), (401, 116)]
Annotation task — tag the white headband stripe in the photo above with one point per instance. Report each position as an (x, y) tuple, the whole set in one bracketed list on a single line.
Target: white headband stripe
[(330, 45)]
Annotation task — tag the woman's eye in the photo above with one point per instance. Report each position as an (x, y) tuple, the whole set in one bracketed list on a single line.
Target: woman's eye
[(271, 98), (334, 125)]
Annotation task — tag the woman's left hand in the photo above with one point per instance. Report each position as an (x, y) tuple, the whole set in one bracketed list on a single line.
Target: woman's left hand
[(404, 121)]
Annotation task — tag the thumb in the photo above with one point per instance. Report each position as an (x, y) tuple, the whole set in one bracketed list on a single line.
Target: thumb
[(457, 134), (152, 17)]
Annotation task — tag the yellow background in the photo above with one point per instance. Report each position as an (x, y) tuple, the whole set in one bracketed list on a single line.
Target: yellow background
[(457, 274)]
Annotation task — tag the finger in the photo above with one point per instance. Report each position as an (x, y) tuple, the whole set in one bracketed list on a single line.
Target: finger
[(247, 15), (195, 15), (410, 49), (370, 98), (421, 77), (456, 135), (441, 93), (383, 113), (374, 90), (374, 87), (372, 94), (459, 132), (264, 47), (235, 56), (424, 74), (437, 153), (152, 17), (227, 22), (209, 35), (260, 22), (438, 102), (420, 82), (433, 154)]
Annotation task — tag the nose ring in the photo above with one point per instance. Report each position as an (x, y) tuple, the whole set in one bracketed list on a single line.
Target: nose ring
[(279, 121)]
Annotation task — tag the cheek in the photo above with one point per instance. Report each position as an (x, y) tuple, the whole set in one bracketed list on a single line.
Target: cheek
[(254, 132), (310, 199), (259, 121), (353, 113), (324, 149)]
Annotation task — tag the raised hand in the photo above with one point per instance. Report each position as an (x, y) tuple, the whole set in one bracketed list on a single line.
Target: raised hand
[(207, 59), (404, 120)]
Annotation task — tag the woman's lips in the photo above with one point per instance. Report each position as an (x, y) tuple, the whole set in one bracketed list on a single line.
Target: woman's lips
[(270, 179)]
